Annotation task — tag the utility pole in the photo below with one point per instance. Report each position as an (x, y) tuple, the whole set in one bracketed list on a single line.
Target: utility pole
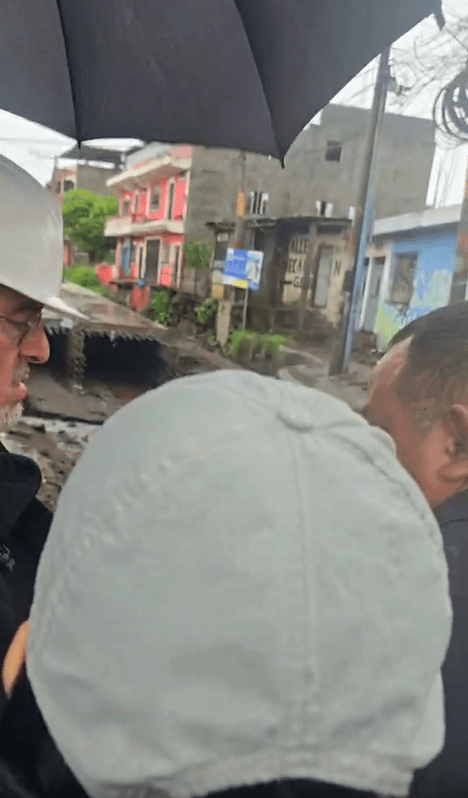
[(362, 226), (459, 289), (223, 317), (239, 230), (309, 264)]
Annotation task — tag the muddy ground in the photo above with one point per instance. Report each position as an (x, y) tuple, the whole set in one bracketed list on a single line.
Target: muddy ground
[(60, 417)]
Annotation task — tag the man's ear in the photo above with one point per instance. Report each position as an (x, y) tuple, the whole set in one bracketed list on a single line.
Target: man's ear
[(457, 468)]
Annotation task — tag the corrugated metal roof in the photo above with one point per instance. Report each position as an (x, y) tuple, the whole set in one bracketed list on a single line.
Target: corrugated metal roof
[(102, 316)]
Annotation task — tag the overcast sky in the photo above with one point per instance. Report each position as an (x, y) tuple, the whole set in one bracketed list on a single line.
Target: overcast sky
[(34, 147)]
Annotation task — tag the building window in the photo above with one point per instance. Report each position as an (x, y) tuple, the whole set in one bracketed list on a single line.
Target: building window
[(401, 290), (126, 207), (220, 249), (176, 264), (258, 203), (136, 200), (68, 185), (170, 199), (155, 199), (165, 253), (333, 151)]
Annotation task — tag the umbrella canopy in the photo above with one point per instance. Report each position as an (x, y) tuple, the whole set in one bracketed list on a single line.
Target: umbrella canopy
[(246, 74)]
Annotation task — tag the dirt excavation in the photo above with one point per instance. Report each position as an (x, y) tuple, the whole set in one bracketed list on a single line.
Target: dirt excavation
[(60, 417)]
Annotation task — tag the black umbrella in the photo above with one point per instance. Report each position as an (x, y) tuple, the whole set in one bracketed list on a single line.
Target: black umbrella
[(247, 74)]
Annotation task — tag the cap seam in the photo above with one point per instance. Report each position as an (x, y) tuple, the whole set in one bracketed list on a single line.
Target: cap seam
[(308, 580)]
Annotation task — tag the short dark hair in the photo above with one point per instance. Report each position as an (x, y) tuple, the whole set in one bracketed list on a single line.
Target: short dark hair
[(435, 374)]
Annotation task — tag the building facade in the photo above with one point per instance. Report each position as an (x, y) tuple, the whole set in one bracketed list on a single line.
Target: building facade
[(168, 194), (322, 173), (410, 266), (81, 176), (150, 227), (298, 251)]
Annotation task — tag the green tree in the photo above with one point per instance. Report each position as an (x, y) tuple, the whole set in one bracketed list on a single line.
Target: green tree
[(84, 214), (197, 256)]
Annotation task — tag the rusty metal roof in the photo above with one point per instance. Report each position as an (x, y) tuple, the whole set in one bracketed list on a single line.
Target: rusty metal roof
[(102, 316)]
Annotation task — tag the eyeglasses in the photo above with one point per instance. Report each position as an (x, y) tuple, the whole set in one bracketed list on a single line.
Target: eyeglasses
[(24, 328)]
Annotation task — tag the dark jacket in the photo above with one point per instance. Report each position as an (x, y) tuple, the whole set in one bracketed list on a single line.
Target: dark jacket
[(24, 524), (447, 775), (29, 761)]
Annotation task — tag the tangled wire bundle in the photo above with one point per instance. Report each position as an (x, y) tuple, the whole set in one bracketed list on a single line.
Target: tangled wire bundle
[(451, 108)]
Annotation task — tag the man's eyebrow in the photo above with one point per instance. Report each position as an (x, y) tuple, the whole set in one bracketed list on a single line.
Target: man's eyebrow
[(26, 306)]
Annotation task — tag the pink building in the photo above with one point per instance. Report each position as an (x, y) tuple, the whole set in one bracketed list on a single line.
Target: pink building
[(150, 227)]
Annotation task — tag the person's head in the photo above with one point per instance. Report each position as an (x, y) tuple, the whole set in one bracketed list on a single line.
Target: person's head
[(418, 393), (22, 342), (241, 584), (30, 276)]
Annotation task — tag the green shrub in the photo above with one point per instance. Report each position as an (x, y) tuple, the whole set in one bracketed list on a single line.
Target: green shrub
[(270, 344), (206, 311), (159, 307), (240, 339)]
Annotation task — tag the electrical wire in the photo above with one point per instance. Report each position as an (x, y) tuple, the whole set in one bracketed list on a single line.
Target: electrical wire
[(450, 111)]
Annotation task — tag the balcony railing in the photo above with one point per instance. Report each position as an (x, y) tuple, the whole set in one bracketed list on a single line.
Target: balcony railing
[(130, 225)]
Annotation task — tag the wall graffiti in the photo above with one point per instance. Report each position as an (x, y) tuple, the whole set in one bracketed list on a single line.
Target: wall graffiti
[(431, 280), (294, 276)]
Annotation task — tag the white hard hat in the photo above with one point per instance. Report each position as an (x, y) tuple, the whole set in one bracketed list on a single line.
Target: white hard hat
[(31, 238)]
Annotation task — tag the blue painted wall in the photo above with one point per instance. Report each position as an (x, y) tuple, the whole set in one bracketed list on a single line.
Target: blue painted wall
[(436, 250)]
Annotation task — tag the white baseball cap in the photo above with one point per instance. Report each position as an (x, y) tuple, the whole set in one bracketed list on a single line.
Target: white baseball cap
[(241, 584), (31, 238)]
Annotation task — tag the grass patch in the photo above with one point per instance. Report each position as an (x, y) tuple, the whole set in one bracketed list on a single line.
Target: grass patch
[(86, 277), (243, 342)]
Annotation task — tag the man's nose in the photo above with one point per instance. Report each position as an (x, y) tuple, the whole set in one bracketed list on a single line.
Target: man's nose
[(35, 346)]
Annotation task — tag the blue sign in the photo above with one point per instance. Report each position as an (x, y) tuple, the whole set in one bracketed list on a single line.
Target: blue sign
[(243, 268), (235, 268), (253, 269)]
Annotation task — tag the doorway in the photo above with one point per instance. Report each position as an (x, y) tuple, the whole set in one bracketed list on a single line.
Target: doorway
[(324, 270), (372, 304), (176, 265), (153, 246)]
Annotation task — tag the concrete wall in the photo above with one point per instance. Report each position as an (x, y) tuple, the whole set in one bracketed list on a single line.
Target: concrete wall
[(406, 155), (341, 264), (432, 280), (406, 159), (93, 178)]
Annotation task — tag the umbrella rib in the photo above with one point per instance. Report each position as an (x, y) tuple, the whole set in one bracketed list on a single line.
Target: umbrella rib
[(72, 87), (278, 150)]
